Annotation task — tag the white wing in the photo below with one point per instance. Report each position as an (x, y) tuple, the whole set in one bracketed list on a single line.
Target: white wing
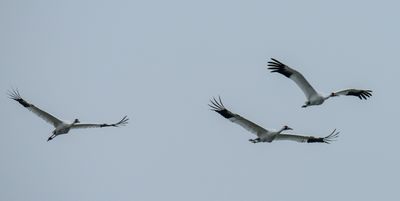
[(217, 106), (309, 139), (360, 93), (123, 122), (14, 94), (298, 78)]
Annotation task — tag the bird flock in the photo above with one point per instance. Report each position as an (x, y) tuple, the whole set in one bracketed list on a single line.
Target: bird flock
[(263, 135)]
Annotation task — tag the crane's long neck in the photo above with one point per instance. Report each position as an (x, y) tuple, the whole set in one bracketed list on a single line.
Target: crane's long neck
[(327, 97), (76, 121), (280, 131), (274, 134)]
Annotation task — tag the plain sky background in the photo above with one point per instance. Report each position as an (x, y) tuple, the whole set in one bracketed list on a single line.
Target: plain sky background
[(159, 62)]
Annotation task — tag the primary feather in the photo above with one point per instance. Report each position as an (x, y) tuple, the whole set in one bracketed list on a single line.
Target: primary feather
[(217, 106), (298, 78), (15, 95)]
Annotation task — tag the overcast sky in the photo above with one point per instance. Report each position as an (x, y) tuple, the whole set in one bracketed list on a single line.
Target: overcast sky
[(159, 62)]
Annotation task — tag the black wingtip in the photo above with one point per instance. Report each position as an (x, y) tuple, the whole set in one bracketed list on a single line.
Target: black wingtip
[(331, 137), (361, 94), (316, 140), (275, 60), (217, 106), (278, 67), (123, 121), (328, 139), (15, 95)]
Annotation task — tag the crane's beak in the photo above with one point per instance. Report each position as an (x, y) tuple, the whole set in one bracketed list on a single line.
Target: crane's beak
[(288, 128)]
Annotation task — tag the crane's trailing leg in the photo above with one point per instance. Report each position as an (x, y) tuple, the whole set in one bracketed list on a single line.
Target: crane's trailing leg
[(306, 104), (51, 137), (255, 140)]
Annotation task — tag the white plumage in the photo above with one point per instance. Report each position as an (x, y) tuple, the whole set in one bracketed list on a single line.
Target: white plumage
[(61, 127), (313, 97), (264, 135)]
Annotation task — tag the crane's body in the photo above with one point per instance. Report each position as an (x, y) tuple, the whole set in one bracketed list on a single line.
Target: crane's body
[(264, 135)]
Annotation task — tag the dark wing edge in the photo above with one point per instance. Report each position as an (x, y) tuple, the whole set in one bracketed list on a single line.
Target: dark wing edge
[(328, 139), (217, 106), (361, 94), (122, 122), (278, 67), (15, 95), (298, 78)]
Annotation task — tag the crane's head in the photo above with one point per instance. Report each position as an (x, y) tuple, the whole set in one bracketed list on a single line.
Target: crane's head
[(286, 128), (333, 94), (76, 121)]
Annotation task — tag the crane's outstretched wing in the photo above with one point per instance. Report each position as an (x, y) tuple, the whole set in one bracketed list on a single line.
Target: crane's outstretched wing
[(309, 139), (360, 93), (217, 106), (14, 94), (123, 122), (298, 78)]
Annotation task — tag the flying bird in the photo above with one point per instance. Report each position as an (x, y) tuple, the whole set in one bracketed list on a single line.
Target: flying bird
[(264, 135), (61, 127), (313, 97)]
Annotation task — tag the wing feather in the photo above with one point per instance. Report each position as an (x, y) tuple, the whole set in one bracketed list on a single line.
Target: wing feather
[(298, 78), (309, 139), (217, 106), (14, 94), (360, 93), (122, 122)]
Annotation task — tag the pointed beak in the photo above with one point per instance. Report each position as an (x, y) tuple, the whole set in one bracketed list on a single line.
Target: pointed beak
[(288, 128)]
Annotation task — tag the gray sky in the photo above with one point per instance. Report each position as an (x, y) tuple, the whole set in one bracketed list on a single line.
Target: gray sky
[(159, 62)]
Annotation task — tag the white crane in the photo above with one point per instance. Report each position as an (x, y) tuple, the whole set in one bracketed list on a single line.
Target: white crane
[(264, 135), (313, 97), (61, 127)]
